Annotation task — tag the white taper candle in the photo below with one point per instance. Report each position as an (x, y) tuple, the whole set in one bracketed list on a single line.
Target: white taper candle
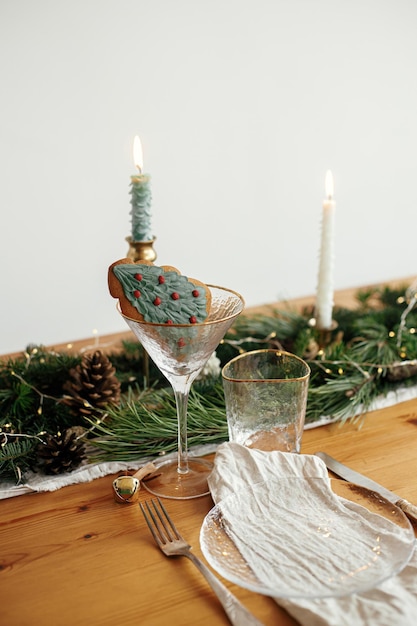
[(324, 300)]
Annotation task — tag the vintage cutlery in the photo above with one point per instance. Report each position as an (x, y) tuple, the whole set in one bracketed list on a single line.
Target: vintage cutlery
[(351, 476), (171, 543)]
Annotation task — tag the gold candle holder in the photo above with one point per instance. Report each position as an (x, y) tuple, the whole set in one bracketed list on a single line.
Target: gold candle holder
[(324, 335), (141, 250)]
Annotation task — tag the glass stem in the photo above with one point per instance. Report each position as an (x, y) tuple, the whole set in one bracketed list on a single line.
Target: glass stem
[(181, 391)]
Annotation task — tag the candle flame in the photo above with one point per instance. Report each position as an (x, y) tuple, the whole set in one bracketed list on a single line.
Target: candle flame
[(137, 153), (329, 185)]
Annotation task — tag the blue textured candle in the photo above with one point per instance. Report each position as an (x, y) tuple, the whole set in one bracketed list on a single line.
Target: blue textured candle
[(141, 198)]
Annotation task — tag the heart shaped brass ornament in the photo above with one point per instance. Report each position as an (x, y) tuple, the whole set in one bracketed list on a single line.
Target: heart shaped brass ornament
[(126, 489)]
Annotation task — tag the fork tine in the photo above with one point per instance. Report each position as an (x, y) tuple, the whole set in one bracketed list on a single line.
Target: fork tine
[(162, 534), (168, 519), (148, 516)]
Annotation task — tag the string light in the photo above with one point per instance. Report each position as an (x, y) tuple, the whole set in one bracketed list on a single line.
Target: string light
[(411, 298), (330, 368), (41, 395)]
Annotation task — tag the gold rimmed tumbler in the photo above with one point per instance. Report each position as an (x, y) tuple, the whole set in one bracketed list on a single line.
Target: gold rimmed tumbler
[(266, 397)]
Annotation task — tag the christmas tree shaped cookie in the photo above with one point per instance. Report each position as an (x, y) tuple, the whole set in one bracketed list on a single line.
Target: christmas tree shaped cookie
[(155, 294)]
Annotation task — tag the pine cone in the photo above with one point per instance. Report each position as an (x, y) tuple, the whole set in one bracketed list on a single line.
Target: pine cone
[(92, 385), (60, 453)]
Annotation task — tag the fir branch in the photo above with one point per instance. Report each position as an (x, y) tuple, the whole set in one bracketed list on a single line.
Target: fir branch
[(341, 398), (281, 325), (16, 400), (374, 350), (373, 344), (148, 425), (16, 457), (31, 390)]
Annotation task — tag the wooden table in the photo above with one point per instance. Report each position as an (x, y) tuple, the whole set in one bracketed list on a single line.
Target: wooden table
[(75, 557)]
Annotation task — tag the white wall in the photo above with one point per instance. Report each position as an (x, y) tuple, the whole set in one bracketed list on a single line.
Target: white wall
[(241, 107)]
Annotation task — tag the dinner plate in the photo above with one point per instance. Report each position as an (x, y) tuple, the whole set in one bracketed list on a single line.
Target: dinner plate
[(306, 538)]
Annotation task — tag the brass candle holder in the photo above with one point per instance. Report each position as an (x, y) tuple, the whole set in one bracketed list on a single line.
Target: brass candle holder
[(324, 335), (141, 250)]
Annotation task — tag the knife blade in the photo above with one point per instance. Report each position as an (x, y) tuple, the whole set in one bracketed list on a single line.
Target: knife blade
[(352, 476)]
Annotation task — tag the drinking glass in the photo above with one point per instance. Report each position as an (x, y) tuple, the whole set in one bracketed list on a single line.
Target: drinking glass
[(266, 397), (180, 351)]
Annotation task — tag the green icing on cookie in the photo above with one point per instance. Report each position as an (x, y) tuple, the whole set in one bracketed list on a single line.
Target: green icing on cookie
[(162, 297)]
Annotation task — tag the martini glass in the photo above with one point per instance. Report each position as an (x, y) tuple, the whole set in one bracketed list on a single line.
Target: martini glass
[(180, 351)]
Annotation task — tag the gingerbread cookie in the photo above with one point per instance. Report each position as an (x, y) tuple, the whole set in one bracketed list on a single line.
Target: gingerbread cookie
[(155, 294)]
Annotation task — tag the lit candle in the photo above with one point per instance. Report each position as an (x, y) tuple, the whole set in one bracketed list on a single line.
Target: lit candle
[(324, 301), (141, 198)]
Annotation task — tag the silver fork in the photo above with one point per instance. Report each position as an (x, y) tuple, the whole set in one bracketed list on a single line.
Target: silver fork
[(169, 540)]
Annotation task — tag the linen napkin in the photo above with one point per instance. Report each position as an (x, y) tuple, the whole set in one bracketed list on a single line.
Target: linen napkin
[(237, 468)]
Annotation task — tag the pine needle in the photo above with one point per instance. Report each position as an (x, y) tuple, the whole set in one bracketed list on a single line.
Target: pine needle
[(373, 351), (148, 425), (15, 457)]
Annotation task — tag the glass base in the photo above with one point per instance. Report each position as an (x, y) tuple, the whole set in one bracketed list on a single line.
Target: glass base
[(169, 483)]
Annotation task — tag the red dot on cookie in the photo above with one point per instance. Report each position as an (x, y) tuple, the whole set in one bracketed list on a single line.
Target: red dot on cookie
[(181, 342), (193, 319), (157, 301), (161, 280), (169, 322), (175, 295), (138, 277), (195, 293), (137, 293)]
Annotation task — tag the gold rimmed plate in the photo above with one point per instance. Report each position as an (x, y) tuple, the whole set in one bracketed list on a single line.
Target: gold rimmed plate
[(306, 538)]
